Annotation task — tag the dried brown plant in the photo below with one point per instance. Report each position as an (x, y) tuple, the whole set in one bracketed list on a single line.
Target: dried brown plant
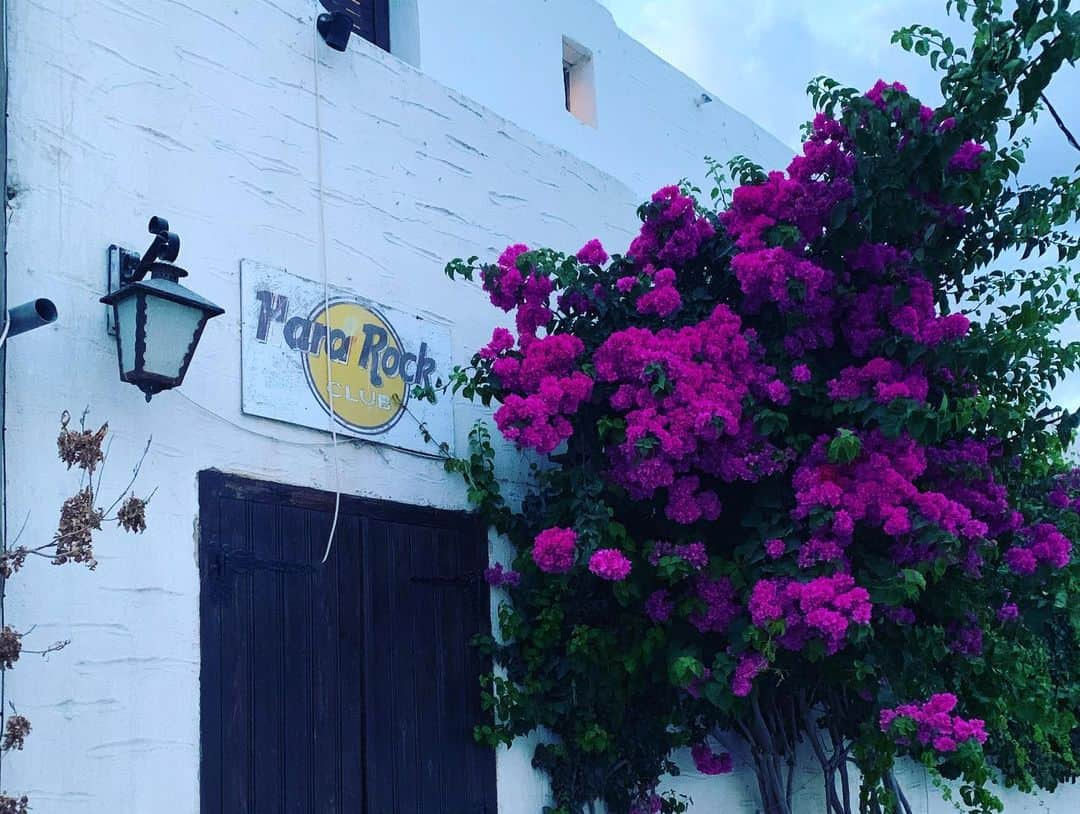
[(80, 516), (15, 731)]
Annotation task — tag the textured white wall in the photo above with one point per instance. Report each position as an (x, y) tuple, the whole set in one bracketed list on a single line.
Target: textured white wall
[(650, 132), (203, 111)]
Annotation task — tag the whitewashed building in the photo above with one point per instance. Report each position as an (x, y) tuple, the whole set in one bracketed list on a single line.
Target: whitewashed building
[(216, 665)]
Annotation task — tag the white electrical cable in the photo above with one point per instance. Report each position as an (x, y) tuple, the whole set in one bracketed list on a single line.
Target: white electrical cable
[(326, 289), (237, 426), (4, 332)]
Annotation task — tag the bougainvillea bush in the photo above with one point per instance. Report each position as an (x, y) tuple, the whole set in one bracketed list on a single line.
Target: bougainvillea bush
[(799, 479)]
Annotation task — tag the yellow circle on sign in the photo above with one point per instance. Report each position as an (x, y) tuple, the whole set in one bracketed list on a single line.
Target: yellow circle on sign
[(367, 389)]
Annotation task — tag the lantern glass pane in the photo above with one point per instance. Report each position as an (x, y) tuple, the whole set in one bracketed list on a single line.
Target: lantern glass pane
[(170, 329), (126, 311)]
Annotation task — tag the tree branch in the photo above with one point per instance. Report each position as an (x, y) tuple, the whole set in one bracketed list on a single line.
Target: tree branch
[(134, 477), (1061, 125), (55, 647), (901, 799), (812, 730)]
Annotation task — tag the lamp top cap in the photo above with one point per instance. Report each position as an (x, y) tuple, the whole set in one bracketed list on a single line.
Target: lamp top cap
[(167, 271)]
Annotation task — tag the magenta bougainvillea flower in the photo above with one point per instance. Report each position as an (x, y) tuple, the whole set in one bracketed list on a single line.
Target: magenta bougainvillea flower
[(967, 158), (543, 389), (663, 299), (592, 253), (674, 232), (750, 666), (501, 341), (876, 94), (693, 554), (659, 606), (610, 564), (555, 549), (1008, 612), (708, 762), (824, 608), (936, 727), (1044, 544), (775, 548), (504, 281), (497, 577), (721, 605)]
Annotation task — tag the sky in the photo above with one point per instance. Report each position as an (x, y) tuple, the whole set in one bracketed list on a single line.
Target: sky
[(758, 56)]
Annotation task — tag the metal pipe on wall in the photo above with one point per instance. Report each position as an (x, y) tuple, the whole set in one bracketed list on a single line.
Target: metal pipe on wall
[(34, 314)]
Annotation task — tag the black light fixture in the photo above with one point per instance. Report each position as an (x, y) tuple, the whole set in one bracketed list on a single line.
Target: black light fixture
[(335, 28), (158, 322)]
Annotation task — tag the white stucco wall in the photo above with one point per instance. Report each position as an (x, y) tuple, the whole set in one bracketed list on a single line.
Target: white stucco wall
[(650, 132), (203, 111)]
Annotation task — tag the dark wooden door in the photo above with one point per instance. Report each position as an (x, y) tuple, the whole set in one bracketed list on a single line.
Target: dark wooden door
[(344, 687)]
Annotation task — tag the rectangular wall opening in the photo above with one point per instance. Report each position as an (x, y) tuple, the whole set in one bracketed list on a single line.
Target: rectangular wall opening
[(370, 18), (579, 84), (393, 25)]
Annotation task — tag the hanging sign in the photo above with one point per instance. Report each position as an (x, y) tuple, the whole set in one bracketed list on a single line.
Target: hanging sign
[(377, 357)]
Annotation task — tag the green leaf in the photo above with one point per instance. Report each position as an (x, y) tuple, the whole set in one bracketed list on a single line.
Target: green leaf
[(845, 447), (684, 670)]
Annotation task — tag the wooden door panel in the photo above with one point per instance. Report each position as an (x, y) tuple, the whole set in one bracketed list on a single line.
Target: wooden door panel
[(344, 687)]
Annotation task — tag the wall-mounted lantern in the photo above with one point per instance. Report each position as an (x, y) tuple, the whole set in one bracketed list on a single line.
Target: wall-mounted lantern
[(157, 321)]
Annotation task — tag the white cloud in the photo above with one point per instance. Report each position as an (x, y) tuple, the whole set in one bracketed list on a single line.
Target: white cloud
[(759, 56)]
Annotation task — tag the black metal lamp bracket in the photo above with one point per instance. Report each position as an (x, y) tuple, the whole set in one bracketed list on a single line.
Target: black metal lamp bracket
[(166, 246), (126, 266)]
